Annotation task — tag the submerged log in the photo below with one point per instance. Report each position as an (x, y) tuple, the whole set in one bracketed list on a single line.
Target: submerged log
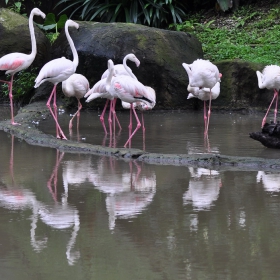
[(269, 136)]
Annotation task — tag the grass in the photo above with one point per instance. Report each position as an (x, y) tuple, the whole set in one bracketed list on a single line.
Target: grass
[(250, 34)]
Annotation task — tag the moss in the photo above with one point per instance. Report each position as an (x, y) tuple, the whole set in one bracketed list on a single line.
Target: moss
[(10, 20)]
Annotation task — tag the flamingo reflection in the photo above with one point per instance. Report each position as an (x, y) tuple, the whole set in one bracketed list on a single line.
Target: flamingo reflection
[(59, 215), (128, 191), (270, 180), (204, 188)]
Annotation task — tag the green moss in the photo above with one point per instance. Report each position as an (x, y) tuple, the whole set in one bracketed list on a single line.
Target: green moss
[(10, 20)]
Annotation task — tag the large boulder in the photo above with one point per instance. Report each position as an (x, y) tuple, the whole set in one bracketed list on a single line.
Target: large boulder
[(161, 53), (15, 37)]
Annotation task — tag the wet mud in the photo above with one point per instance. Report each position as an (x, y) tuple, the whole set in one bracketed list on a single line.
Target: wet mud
[(28, 131)]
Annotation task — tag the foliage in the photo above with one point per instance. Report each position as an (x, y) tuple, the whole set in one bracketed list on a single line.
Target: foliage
[(156, 13), (253, 37), (23, 83), (16, 6), (50, 23)]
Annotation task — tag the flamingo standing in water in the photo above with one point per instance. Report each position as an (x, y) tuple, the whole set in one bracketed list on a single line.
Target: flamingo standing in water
[(119, 69), (204, 95), (77, 86), (15, 62), (270, 79), (203, 74), (56, 71)]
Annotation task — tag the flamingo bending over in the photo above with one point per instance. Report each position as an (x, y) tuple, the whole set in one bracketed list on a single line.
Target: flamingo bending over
[(204, 95), (270, 79), (77, 86), (15, 62), (56, 71), (203, 74), (119, 69)]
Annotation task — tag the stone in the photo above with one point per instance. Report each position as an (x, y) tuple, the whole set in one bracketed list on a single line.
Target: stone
[(161, 54)]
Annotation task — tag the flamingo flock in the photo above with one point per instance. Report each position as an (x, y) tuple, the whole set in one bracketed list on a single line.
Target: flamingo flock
[(119, 82)]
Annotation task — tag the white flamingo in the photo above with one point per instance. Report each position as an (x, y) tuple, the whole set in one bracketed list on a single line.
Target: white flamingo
[(119, 69), (204, 95), (270, 79), (203, 74), (15, 62), (56, 71), (77, 86)]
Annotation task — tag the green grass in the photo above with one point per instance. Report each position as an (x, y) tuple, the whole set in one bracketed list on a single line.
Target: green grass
[(252, 35)]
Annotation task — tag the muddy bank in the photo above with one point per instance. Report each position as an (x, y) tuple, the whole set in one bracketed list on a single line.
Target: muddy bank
[(29, 115)]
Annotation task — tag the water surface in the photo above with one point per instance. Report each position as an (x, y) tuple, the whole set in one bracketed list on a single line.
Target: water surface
[(76, 216)]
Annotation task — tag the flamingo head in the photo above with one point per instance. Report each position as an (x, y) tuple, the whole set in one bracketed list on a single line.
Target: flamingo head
[(38, 12), (133, 58)]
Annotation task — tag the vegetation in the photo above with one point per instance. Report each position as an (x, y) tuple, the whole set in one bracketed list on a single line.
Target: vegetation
[(250, 33), (156, 13)]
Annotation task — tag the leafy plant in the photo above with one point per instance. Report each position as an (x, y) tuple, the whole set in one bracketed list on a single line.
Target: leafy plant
[(23, 83), (156, 13), (50, 23), (16, 6)]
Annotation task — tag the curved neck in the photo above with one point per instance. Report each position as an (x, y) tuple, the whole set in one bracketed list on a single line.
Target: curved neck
[(32, 35), (128, 70), (72, 46), (109, 78)]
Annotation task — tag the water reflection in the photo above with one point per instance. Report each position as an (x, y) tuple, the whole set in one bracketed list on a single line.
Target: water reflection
[(128, 192), (270, 180), (58, 215), (204, 188)]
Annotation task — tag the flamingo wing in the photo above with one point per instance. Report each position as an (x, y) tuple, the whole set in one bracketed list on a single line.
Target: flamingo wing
[(14, 62), (55, 71)]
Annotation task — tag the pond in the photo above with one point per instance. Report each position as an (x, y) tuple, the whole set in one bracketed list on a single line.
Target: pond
[(77, 216)]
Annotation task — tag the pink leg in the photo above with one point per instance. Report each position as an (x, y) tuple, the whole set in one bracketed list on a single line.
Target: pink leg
[(10, 86), (59, 133), (276, 104), (144, 130), (102, 116), (209, 113), (110, 117), (205, 117), (114, 113), (264, 119), (137, 127), (76, 114)]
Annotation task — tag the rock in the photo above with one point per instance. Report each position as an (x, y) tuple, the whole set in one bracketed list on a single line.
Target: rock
[(269, 136), (15, 37), (161, 53)]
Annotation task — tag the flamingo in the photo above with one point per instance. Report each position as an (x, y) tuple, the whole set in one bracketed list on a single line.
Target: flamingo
[(119, 69), (270, 79), (204, 95), (203, 74), (130, 90), (77, 86), (56, 71), (15, 62)]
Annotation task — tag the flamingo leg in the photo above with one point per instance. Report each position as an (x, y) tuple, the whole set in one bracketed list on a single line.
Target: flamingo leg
[(205, 117), (209, 112), (130, 125), (110, 117), (102, 116), (10, 86), (114, 113), (59, 131), (76, 114), (264, 119), (276, 104), (144, 131)]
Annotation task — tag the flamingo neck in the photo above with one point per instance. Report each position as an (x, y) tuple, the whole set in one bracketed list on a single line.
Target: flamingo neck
[(32, 35), (109, 78), (72, 46), (128, 70)]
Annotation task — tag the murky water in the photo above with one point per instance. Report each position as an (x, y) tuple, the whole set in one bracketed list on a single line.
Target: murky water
[(74, 216)]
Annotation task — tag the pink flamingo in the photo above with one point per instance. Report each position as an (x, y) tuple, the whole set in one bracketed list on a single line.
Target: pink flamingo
[(56, 71), (203, 74), (270, 79), (130, 90), (204, 95), (119, 69), (141, 106), (15, 62), (77, 86)]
